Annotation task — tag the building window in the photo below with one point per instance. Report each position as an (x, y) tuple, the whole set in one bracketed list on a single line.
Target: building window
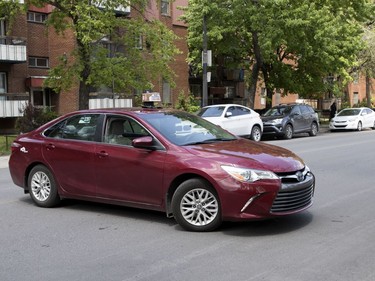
[(166, 92), (355, 78), (355, 98), (38, 62), (165, 7), (36, 17), (3, 82)]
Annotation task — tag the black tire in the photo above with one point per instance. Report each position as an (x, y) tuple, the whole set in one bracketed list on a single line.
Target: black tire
[(196, 206), (256, 133), (373, 127), (288, 133), (42, 187), (314, 129), (359, 126)]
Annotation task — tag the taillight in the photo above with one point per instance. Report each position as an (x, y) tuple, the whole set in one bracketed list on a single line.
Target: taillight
[(15, 146)]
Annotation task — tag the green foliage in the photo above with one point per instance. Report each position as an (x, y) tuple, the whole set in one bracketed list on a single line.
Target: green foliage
[(363, 103), (127, 65), (187, 103), (5, 143), (295, 44), (33, 118)]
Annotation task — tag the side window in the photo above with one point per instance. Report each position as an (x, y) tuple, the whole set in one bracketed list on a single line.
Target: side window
[(296, 110), (305, 109), (79, 127), (241, 111), (232, 110), (122, 130)]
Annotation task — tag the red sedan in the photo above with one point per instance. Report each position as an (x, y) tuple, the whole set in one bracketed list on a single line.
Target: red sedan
[(163, 160)]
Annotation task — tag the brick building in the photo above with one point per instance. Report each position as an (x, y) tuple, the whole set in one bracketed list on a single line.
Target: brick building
[(30, 49)]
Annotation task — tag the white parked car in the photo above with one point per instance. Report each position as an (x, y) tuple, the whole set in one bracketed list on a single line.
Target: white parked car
[(353, 119), (237, 119)]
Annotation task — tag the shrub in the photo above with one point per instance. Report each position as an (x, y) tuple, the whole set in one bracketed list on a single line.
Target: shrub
[(187, 103), (33, 118)]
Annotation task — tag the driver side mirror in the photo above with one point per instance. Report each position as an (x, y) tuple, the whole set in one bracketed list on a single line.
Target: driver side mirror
[(228, 114), (146, 142)]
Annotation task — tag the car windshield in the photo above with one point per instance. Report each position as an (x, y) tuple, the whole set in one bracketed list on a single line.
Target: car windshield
[(278, 111), (215, 111), (349, 112), (182, 128)]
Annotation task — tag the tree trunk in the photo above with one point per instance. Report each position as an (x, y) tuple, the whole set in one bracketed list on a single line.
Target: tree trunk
[(84, 88), (253, 85), (368, 90)]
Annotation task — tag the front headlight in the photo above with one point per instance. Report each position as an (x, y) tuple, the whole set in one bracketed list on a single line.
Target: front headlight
[(277, 121), (248, 175)]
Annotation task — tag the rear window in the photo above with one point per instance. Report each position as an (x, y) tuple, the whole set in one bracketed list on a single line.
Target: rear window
[(78, 127), (215, 111)]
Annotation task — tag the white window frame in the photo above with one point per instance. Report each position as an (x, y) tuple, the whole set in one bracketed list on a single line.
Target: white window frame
[(36, 17), (36, 62), (165, 7)]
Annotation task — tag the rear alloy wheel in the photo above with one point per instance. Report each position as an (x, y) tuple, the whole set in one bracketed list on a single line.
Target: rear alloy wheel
[(359, 126), (314, 129), (196, 206), (42, 187), (288, 132), (256, 133)]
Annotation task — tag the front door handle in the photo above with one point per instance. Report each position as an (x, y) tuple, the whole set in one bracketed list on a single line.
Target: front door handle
[(102, 154)]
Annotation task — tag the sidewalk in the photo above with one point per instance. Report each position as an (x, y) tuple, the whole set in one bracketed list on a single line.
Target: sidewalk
[(4, 161)]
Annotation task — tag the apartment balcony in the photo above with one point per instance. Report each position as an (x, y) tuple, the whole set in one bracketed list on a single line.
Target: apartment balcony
[(12, 49), (12, 105)]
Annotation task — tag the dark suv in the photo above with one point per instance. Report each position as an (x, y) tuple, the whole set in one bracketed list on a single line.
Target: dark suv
[(287, 119)]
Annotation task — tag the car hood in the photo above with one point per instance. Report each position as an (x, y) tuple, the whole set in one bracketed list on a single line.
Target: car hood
[(345, 118), (270, 118), (246, 153)]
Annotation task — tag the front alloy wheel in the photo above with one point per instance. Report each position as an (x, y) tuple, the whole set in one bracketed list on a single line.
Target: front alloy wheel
[(359, 126), (288, 132), (314, 129), (42, 187), (196, 206)]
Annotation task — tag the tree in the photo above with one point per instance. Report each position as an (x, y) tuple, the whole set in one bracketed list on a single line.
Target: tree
[(108, 50), (366, 59), (290, 44)]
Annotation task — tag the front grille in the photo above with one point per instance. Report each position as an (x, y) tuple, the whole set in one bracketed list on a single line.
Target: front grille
[(296, 192)]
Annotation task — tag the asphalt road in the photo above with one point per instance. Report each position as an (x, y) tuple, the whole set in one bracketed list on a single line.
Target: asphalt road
[(334, 240)]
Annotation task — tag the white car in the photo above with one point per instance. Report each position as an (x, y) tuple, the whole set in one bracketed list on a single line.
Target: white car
[(237, 119), (353, 119)]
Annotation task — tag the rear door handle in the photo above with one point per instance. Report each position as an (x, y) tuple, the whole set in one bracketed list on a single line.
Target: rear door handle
[(50, 146)]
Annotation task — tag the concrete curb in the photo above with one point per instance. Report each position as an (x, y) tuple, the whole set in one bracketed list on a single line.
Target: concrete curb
[(4, 161)]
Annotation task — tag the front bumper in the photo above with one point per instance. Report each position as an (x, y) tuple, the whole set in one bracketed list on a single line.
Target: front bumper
[(276, 130), (292, 193), (343, 125)]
